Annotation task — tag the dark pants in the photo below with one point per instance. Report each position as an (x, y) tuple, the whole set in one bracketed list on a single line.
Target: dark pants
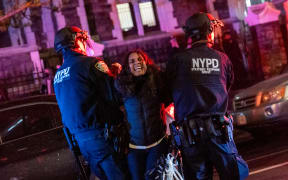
[(100, 156), (199, 160), (140, 161)]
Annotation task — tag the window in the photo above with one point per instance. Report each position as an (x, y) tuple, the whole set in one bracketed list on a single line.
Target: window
[(145, 13), (127, 20), (254, 2), (125, 16)]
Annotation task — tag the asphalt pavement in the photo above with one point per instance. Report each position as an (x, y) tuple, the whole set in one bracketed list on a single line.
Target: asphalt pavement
[(266, 154)]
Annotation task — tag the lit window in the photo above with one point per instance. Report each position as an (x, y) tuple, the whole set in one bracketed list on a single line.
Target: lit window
[(248, 3), (147, 14), (132, 15), (254, 2), (125, 16)]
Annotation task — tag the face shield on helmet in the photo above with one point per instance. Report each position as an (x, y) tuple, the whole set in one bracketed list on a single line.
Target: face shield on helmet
[(77, 40), (81, 38), (216, 23), (93, 48), (90, 47)]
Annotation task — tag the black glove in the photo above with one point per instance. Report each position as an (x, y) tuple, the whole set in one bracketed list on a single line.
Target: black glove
[(121, 138)]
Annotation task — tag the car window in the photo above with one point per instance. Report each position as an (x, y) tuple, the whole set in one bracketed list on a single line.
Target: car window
[(55, 116), (27, 119), (14, 128), (37, 118)]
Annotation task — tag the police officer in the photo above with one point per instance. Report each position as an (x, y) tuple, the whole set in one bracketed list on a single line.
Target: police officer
[(199, 79), (87, 101)]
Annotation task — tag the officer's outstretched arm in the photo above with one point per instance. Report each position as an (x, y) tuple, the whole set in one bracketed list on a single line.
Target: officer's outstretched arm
[(170, 75)]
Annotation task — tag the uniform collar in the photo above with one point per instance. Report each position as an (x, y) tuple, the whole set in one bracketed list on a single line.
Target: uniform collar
[(199, 43), (68, 53)]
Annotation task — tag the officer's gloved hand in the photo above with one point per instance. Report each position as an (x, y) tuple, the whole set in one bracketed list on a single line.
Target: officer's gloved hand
[(115, 69), (121, 138)]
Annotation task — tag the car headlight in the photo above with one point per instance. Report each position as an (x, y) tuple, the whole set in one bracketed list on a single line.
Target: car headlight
[(273, 95)]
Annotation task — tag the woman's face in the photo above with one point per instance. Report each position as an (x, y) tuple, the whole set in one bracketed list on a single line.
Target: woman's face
[(137, 64)]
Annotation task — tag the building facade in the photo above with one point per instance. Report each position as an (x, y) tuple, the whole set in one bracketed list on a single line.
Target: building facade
[(26, 46)]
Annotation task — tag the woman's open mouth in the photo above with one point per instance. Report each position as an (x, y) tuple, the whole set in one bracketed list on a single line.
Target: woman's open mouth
[(138, 67)]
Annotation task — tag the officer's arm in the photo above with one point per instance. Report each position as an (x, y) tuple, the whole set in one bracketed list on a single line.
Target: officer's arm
[(170, 75), (99, 75), (164, 93)]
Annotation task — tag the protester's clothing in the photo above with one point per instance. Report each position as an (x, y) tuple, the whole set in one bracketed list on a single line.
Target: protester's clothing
[(142, 98), (141, 161)]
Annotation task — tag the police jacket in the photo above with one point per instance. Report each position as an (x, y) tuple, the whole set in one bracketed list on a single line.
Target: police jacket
[(199, 79), (142, 98), (85, 95)]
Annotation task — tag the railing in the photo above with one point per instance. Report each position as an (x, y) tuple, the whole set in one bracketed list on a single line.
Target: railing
[(156, 46), (24, 85)]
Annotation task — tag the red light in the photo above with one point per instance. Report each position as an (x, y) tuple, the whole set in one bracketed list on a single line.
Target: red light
[(43, 150), (3, 159), (170, 110)]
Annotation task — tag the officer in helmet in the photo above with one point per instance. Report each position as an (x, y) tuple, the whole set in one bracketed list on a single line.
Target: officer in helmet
[(87, 101), (199, 80)]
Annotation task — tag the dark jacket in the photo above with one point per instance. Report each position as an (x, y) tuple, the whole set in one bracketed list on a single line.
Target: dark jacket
[(199, 79), (142, 97), (85, 95)]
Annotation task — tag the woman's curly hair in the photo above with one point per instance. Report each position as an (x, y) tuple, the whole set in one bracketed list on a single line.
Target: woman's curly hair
[(127, 84)]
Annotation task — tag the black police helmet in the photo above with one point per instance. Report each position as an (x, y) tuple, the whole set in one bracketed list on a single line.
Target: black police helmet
[(66, 38), (199, 25)]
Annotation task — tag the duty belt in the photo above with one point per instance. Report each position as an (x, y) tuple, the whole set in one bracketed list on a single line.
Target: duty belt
[(199, 128)]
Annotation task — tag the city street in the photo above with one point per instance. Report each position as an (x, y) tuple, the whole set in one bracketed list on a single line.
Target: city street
[(267, 156), (112, 64)]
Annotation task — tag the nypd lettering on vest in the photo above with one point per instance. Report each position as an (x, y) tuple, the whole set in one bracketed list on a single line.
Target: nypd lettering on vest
[(205, 65), (62, 75)]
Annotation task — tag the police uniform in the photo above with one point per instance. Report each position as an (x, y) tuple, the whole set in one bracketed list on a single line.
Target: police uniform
[(87, 102), (199, 79)]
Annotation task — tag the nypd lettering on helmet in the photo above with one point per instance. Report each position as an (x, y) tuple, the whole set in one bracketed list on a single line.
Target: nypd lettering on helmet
[(62, 75), (205, 65)]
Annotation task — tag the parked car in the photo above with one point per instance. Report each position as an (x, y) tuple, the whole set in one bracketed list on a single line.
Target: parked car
[(263, 103), (32, 142)]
